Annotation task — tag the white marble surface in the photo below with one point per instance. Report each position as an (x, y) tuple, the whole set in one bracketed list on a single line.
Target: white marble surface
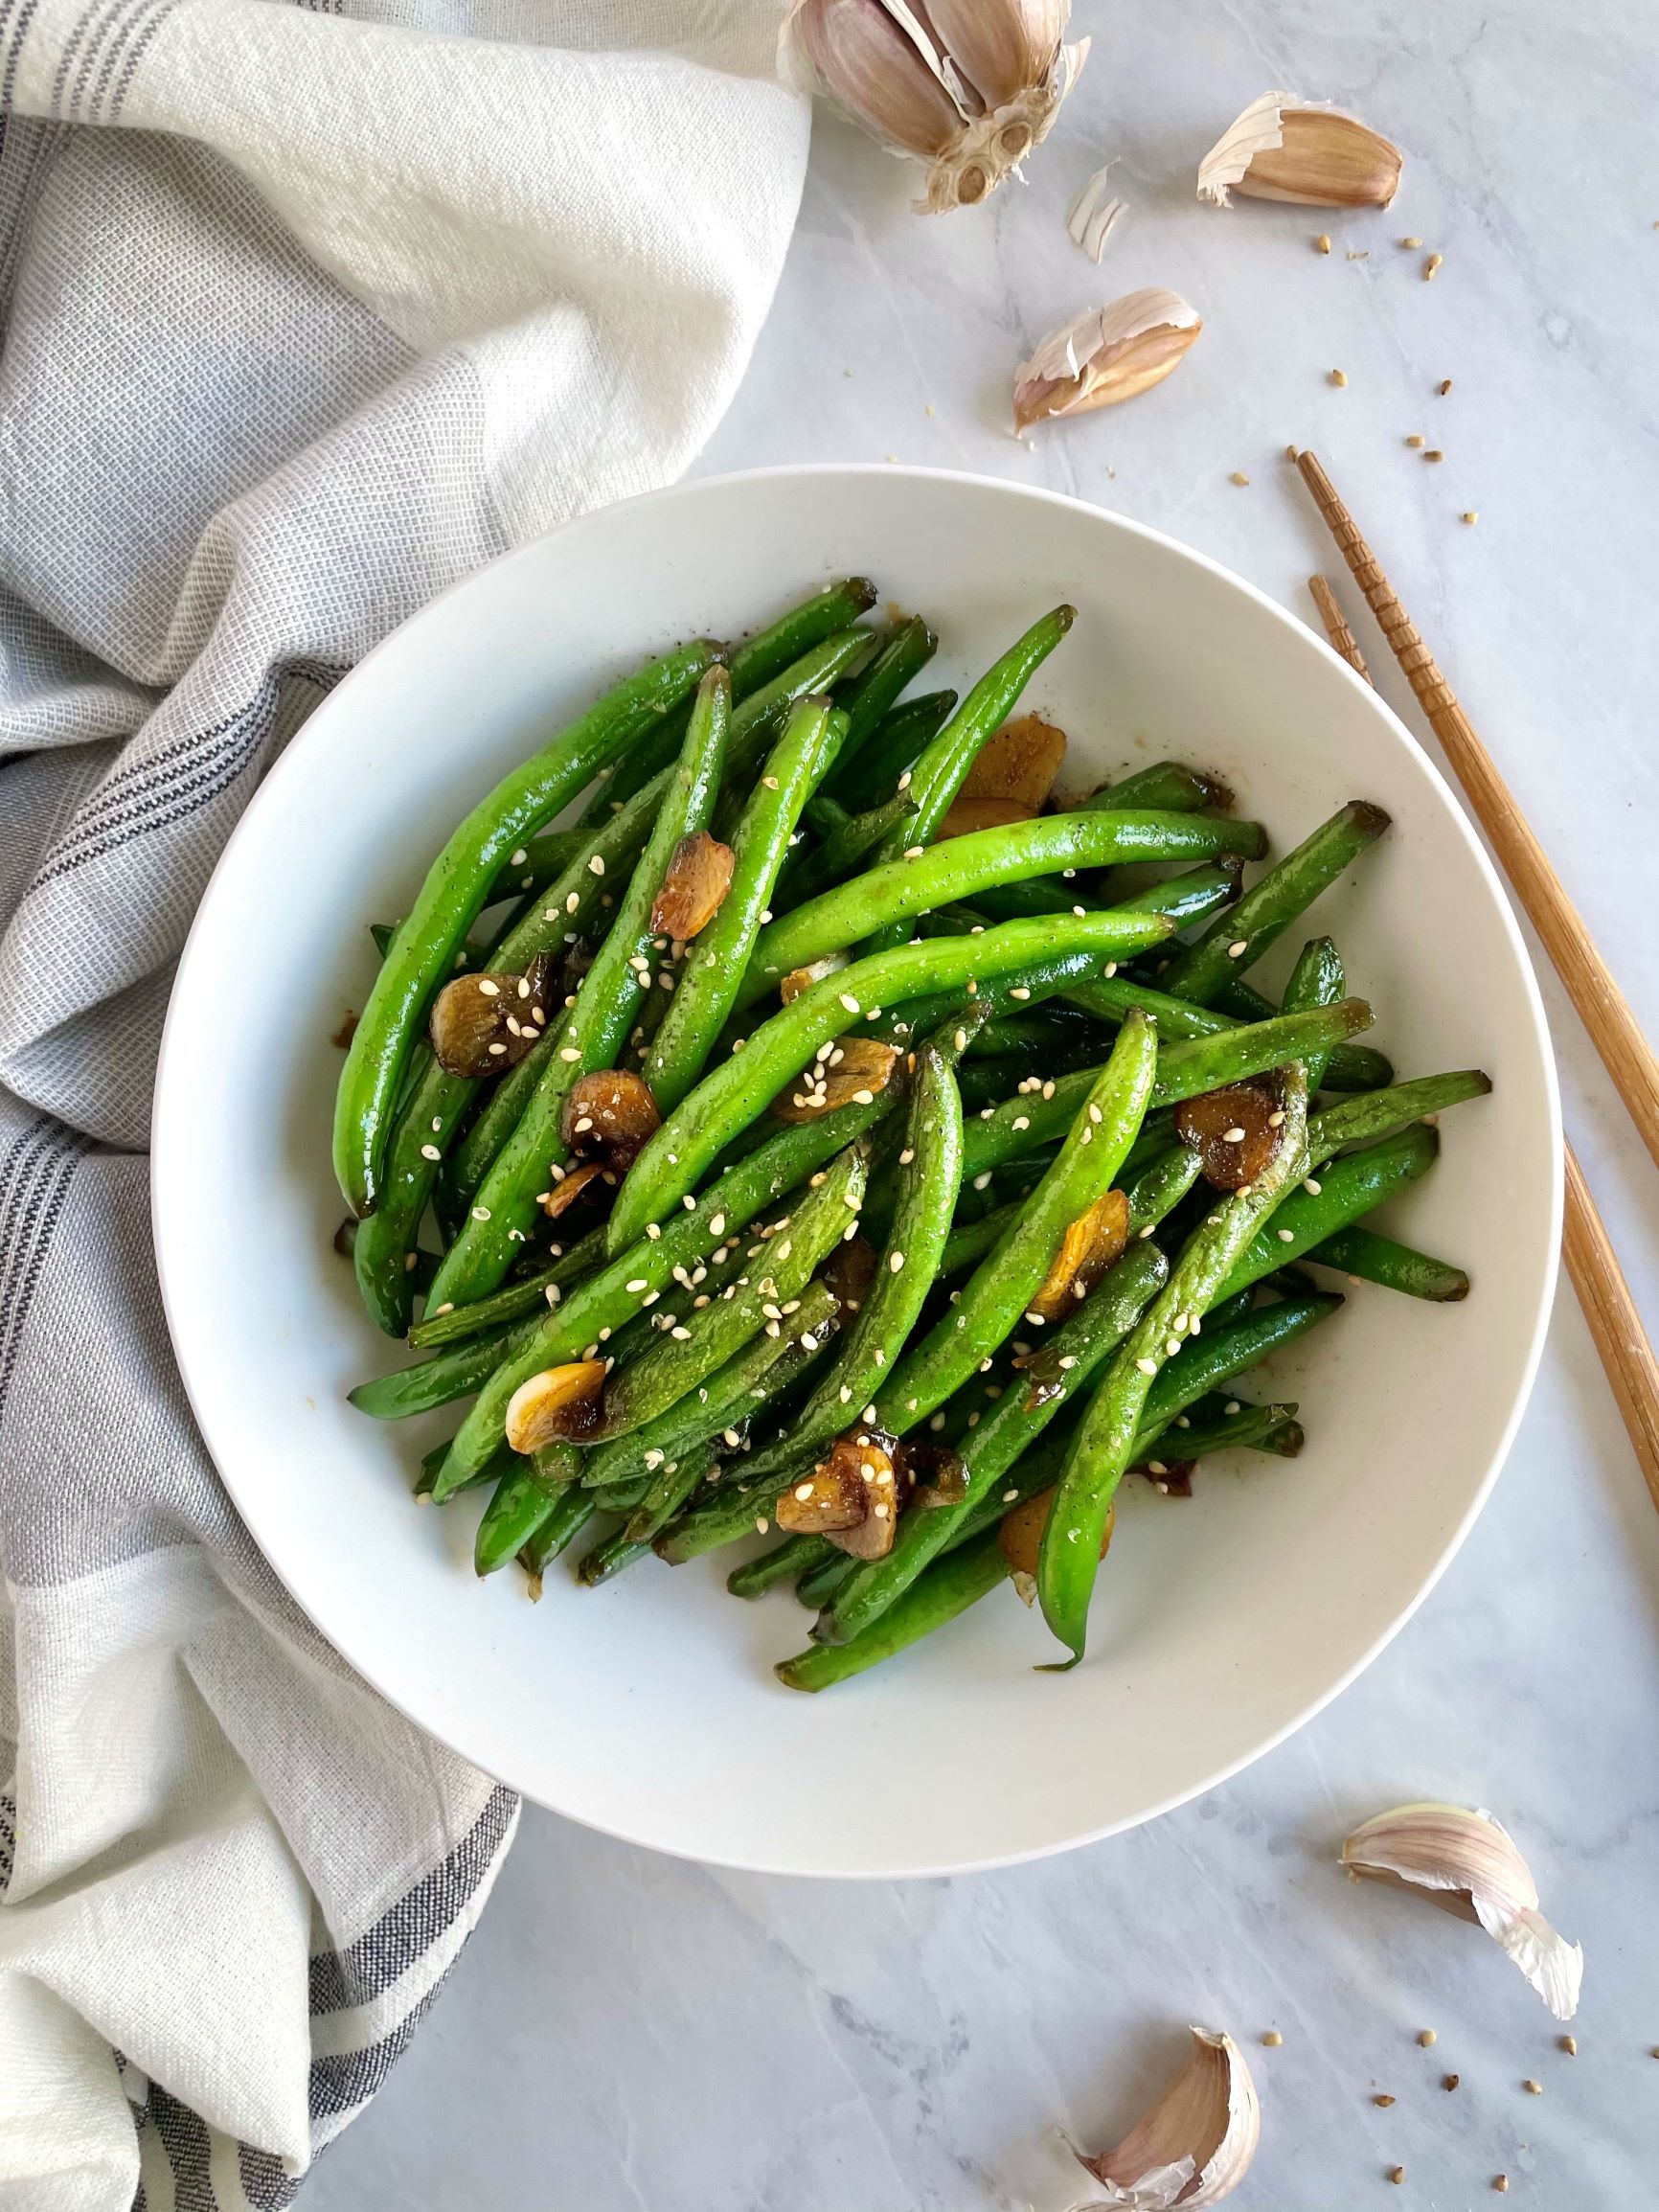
[(625, 2031)]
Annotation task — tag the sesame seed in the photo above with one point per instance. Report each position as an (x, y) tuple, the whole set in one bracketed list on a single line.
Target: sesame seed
[(1085, 1136), (769, 783), (1448, 2081), (1533, 2088), (1146, 1366), (1501, 2184), (1339, 375), (981, 1182), (1396, 2173), (1431, 267), (914, 851), (905, 781), (938, 1421), (1239, 477), (1384, 2101), (1023, 1122), (596, 865), (906, 1156), (1275, 1119), (1471, 515), (486, 988), (1428, 2037), (481, 1213), (1569, 2044), (1433, 453), (849, 1002), (1232, 1407), (895, 1262), (410, 1260), (1237, 948), (652, 1231), (680, 1334), (1287, 1236), (1312, 1183), (1233, 1136), (1415, 441), (568, 1052), (1048, 1090), (1171, 1345), (430, 1153), (761, 1525)]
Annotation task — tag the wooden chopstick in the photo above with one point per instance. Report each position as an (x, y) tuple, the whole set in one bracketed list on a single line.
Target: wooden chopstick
[(1625, 1053), (1615, 1326)]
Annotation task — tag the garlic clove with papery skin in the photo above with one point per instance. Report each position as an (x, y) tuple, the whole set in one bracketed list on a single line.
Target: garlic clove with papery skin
[(1301, 151), (1194, 2145), (1105, 355), (1467, 1864), (968, 87)]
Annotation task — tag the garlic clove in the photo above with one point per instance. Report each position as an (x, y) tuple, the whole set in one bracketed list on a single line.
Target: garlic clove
[(1001, 46), (1194, 2145), (1105, 355), (1467, 1863), (1307, 153), (969, 87), (863, 60), (1093, 216)]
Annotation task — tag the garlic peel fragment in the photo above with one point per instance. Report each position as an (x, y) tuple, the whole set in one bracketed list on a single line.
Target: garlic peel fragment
[(1105, 355), (1194, 2145), (1467, 1863), (1306, 152), (1093, 216)]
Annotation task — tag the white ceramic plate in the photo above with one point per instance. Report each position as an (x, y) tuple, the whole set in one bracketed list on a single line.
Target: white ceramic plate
[(648, 1708)]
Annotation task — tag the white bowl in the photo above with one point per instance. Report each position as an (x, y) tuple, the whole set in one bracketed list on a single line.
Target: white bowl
[(647, 1708)]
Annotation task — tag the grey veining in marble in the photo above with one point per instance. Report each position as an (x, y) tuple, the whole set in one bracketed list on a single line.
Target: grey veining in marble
[(625, 2031)]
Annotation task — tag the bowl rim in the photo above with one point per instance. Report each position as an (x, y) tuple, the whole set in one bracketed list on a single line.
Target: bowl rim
[(307, 739)]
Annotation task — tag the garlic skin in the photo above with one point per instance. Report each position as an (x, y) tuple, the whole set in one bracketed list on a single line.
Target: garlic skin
[(967, 86), (1302, 151), (1092, 218), (1467, 1863), (1105, 355), (1194, 2145)]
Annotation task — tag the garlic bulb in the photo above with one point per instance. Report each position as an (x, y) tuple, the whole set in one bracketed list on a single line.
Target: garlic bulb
[(1313, 155), (1194, 2145), (1466, 1864), (1092, 216), (1105, 355), (967, 86)]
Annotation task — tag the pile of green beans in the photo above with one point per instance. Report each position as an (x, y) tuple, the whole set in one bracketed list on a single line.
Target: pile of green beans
[(917, 1174)]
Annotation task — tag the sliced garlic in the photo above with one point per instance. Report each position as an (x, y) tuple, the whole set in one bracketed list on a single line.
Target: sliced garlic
[(1467, 1863), (1194, 2145), (1105, 355), (1092, 216), (1303, 151), (967, 86)]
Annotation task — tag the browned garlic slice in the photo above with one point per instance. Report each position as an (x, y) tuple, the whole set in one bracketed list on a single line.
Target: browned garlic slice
[(967, 86), (1303, 151), (1467, 1863), (1194, 2145), (1105, 355), (1093, 215)]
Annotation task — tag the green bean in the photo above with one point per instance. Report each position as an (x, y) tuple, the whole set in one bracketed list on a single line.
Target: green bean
[(1270, 1428), (1204, 1363), (843, 848), (453, 894), (902, 888), (565, 1521), (1193, 896), (428, 1119), (603, 1304), (757, 1371), (1105, 1437), (1184, 1070), (715, 963), (1348, 1188), (545, 1287), (756, 723), (1054, 1028), (740, 1087), (433, 1460), (1167, 783), (450, 1375), (947, 1589), (608, 1559), (1318, 979), (1082, 1342), (522, 1503), (941, 769), (752, 664), (820, 1581), (794, 1556), (1269, 907), (1005, 1281), (576, 907), (677, 1362), (897, 745), (868, 698), (669, 1488), (1374, 1259), (1160, 1186), (1379, 1113), (593, 1031), (930, 1173)]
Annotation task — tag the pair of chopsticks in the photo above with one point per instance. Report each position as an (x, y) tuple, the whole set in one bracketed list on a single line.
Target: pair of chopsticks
[(1614, 1325)]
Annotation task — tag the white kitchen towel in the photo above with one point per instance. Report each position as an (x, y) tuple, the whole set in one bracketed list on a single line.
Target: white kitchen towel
[(306, 315)]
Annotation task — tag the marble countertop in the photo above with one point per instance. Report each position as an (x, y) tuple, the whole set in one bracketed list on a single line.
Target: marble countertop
[(625, 2031)]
